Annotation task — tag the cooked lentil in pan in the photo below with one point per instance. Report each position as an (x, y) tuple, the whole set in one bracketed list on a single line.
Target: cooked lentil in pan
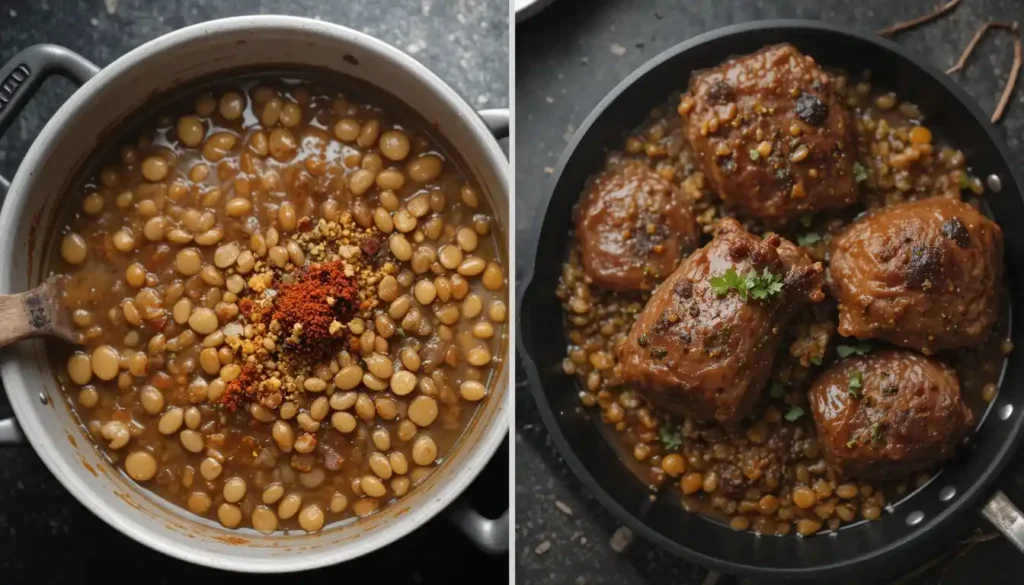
[(767, 474), (293, 300)]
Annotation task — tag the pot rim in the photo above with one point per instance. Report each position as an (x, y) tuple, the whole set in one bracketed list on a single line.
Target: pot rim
[(15, 384)]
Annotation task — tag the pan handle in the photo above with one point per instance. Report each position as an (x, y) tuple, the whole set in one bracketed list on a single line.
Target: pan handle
[(20, 78), (1006, 517)]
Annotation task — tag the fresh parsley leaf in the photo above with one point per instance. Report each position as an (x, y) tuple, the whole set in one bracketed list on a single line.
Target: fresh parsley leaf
[(759, 286), (846, 351), (816, 360), (794, 413), (856, 383), (754, 155), (777, 391), (860, 174), (727, 281), (671, 437), (808, 239), (806, 220)]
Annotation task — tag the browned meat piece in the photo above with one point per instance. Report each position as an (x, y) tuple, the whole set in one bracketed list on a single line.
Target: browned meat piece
[(888, 414), (925, 275), (633, 226), (772, 135), (705, 354)]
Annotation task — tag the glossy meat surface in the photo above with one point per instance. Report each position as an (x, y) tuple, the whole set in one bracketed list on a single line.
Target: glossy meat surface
[(772, 135), (924, 275), (888, 414), (707, 355), (633, 227)]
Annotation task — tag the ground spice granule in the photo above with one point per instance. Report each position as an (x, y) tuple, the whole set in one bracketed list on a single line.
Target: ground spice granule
[(320, 295), (238, 390)]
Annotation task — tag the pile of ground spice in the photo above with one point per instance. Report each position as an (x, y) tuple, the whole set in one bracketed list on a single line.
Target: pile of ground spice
[(294, 319), (315, 305)]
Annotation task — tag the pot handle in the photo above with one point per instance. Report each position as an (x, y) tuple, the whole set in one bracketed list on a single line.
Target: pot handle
[(20, 78), (490, 536), (496, 120), (1006, 517)]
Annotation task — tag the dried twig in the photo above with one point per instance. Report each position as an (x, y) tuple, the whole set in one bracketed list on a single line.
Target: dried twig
[(1011, 81), (937, 13), (962, 548)]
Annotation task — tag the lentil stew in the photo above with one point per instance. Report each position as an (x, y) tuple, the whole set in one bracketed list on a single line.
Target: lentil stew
[(768, 473), (294, 300)]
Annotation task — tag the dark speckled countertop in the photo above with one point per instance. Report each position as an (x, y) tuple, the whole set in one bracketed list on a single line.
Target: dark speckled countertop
[(567, 58), (46, 536)]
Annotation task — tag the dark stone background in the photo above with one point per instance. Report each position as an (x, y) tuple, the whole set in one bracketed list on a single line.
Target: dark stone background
[(46, 536), (565, 63)]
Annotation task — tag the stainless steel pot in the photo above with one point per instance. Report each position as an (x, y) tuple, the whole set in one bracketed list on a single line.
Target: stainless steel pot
[(28, 217)]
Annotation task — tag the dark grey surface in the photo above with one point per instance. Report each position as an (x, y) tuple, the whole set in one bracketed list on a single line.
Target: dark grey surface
[(45, 535), (567, 58)]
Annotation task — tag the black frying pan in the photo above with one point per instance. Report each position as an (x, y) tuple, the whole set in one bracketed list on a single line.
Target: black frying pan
[(915, 525)]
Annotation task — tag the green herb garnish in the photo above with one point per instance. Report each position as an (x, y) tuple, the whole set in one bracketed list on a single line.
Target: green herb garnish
[(777, 391), (856, 383), (816, 360), (671, 437), (846, 351), (754, 155), (658, 352), (794, 413), (965, 182), (806, 220), (808, 239), (891, 390), (860, 174), (759, 286)]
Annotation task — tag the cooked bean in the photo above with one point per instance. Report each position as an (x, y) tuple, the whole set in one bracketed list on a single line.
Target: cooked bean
[(423, 411), (210, 468), (73, 248), (394, 145), (272, 493), (264, 520), (191, 440), (311, 518), (198, 502), (140, 466), (116, 433), (105, 362), (424, 451), (425, 168)]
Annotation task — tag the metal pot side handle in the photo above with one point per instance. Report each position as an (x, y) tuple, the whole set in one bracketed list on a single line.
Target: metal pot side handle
[(490, 536), (1006, 517), (20, 78), (496, 120)]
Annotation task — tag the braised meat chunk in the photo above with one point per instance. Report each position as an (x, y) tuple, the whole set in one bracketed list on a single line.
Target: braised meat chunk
[(772, 136), (888, 414), (633, 226), (924, 275), (705, 342)]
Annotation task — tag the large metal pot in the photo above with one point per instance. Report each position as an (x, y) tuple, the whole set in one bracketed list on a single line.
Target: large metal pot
[(28, 218)]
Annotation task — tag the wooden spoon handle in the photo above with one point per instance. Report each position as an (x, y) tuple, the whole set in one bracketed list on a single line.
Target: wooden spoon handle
[(35, 313)]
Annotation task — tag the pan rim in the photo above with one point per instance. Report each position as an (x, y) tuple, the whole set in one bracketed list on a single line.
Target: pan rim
[(828, 569)]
